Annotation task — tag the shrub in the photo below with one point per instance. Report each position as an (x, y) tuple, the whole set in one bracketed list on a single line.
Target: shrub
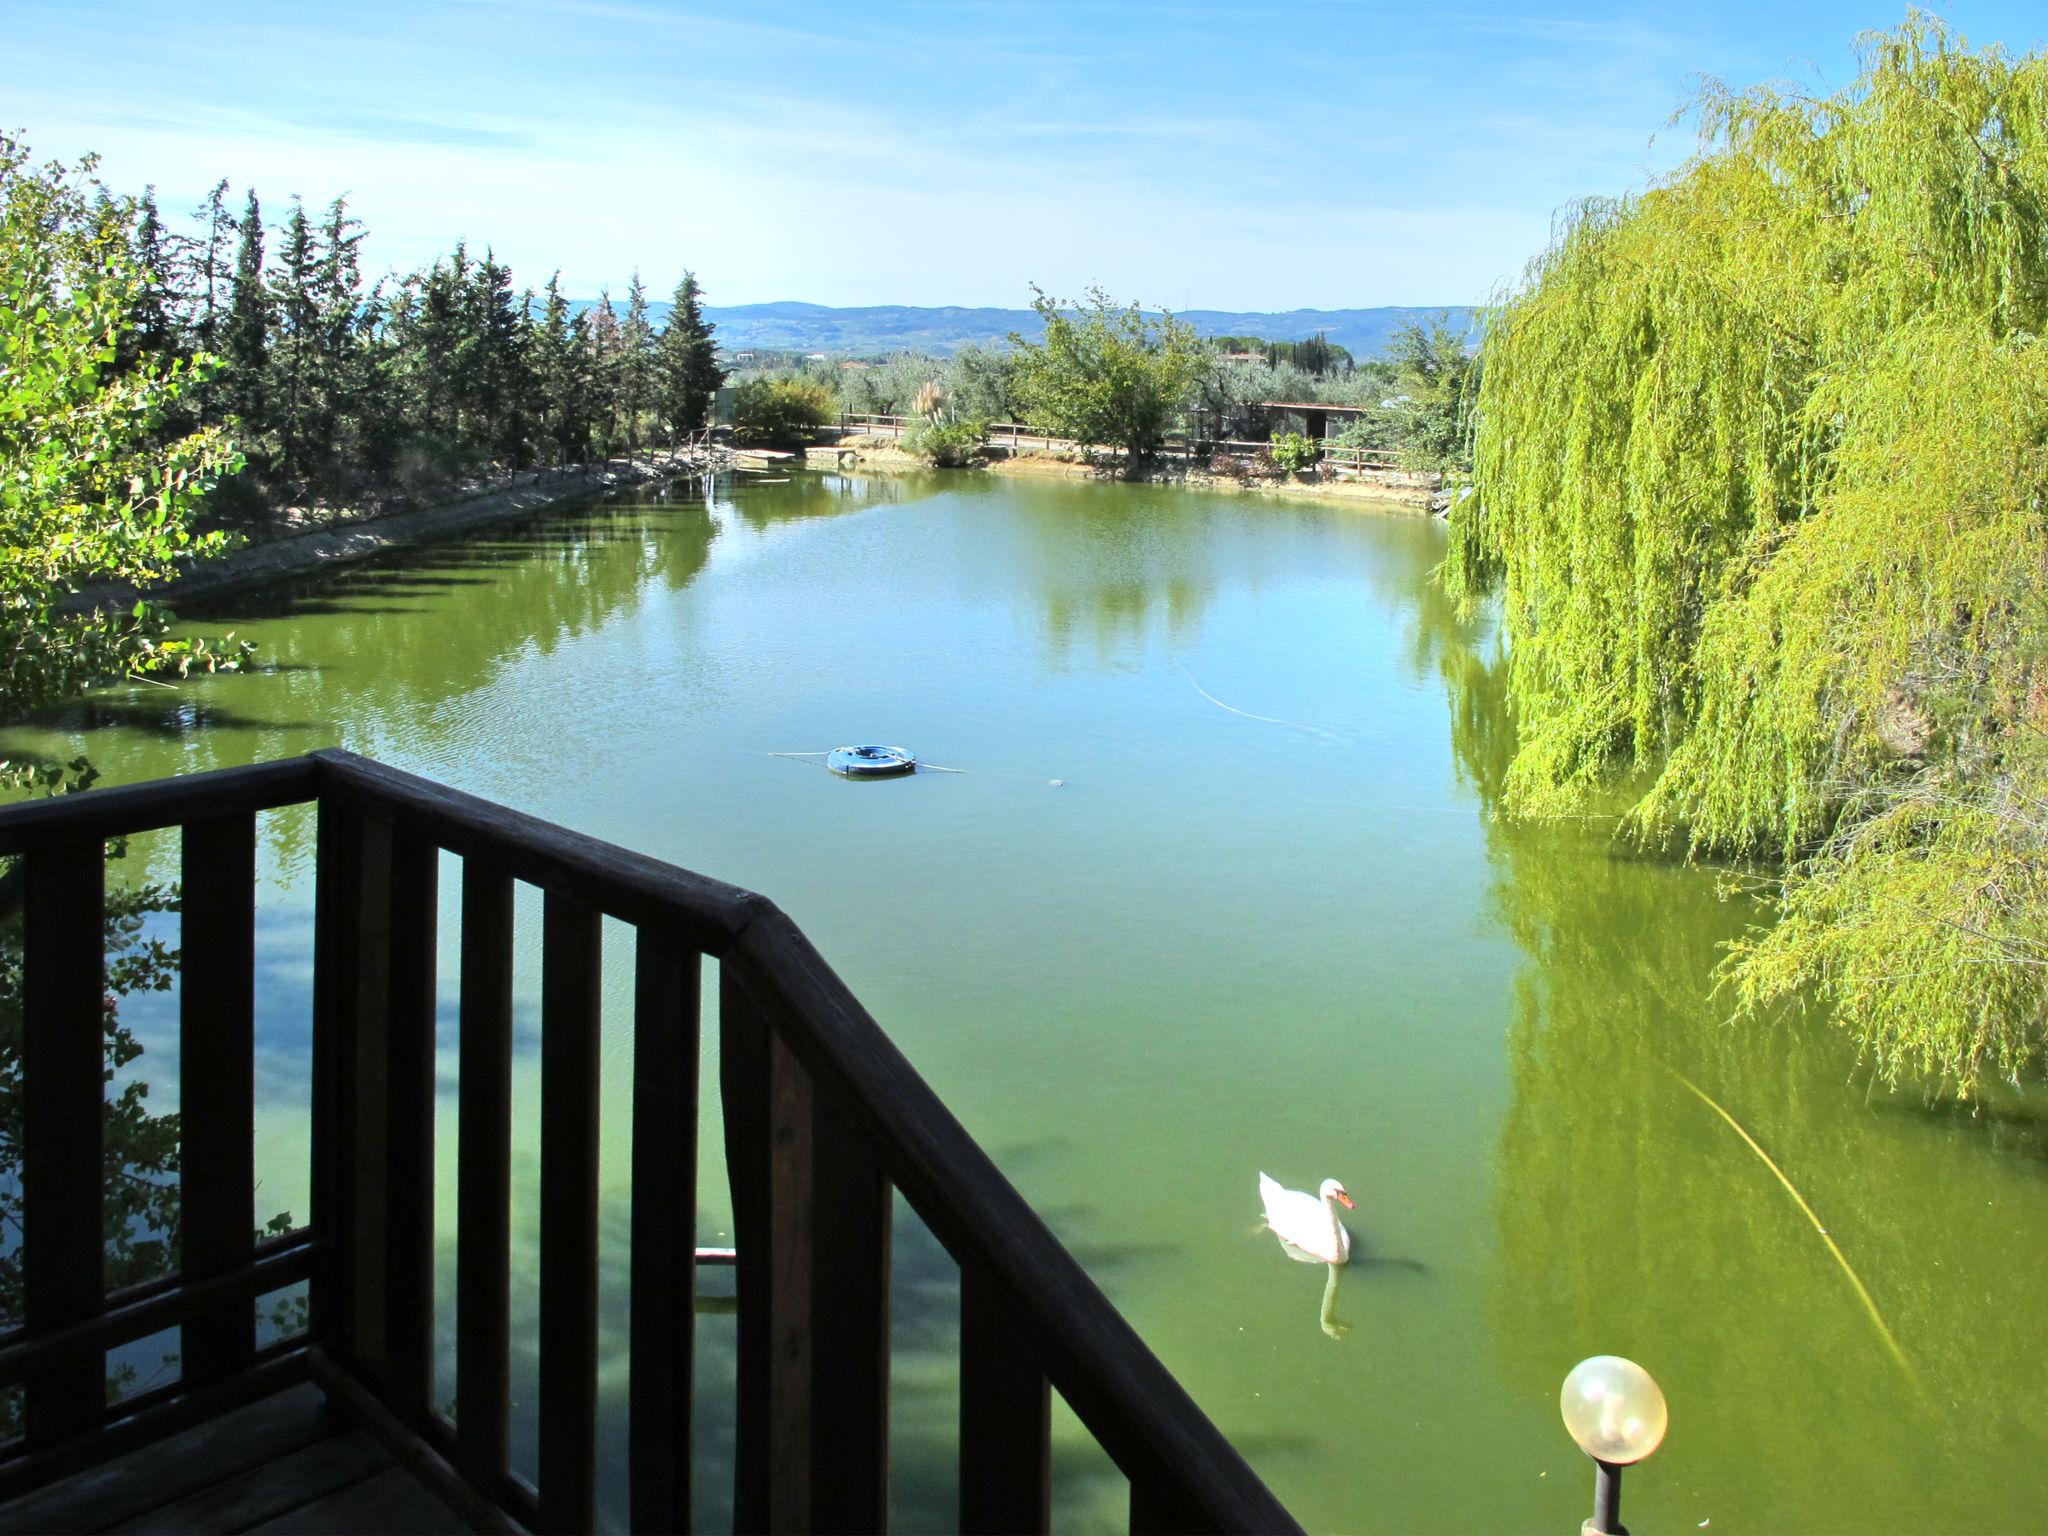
[(1292, 452), (946, 444), (779, 413)]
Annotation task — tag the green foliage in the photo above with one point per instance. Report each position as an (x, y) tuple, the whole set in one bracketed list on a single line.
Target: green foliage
[(338, 393), (888, 387), (1429, 420), (686, 362), (982, 383), (93, 487), (946, 444), (1761, 477), (1104, 374), (1292, 452), (89, 491), (1316, 356), (779, 413)]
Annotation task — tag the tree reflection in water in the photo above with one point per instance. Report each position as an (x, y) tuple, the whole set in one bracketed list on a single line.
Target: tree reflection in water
[(1632, 1219)]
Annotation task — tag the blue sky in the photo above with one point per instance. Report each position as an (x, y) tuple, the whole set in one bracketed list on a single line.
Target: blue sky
[(1225, 156)]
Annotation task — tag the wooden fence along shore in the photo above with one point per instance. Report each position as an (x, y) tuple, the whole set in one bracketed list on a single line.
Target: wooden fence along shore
[(1017, 438)]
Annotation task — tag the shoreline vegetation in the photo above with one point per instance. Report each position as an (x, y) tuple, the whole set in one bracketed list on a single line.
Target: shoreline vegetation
[(1139, 385), (1410, 490)]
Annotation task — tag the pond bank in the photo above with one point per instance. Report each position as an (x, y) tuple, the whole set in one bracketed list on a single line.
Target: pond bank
[(1413, 493), (343, 542)]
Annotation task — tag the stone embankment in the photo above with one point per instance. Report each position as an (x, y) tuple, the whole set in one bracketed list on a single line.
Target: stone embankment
[(1380, 488), (348, 539)]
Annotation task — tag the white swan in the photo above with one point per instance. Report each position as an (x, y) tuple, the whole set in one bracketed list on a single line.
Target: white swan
[(1307, 1225)]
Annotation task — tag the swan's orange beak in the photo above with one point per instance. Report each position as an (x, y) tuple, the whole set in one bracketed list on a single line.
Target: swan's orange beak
[(1348, 1205)]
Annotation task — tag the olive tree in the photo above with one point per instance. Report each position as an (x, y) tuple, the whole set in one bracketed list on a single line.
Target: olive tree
[(1105, 374)]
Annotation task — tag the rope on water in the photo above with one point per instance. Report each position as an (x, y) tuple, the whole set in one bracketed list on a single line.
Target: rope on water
[(1891, 1343), (1292, 725)]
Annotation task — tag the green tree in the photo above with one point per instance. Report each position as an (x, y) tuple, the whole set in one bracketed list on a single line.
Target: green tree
[(1436, 382), (294, 341), (601, 359), (982, 383), (208, 285), (246, 339), (90, 490), (87, 493), (564, 419), (1761, 478), (336, 364), (686, 362), (1105, 374), (637, 364), (152, 337), (779, 413)]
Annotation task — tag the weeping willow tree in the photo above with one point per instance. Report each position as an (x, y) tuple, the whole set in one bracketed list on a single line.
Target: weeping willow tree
[(1762, 482)]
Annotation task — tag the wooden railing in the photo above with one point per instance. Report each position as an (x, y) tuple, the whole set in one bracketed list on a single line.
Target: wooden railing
[(1016, 436), (823, 1117)]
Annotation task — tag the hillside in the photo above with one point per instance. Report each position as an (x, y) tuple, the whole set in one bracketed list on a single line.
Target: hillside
[(798, 327)]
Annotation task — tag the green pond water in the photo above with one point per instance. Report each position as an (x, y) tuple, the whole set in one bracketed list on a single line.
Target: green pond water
[(1264, 921)]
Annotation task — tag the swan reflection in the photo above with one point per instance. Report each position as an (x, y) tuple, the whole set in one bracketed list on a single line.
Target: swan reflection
[(1328, 1315), (1310, 1233)]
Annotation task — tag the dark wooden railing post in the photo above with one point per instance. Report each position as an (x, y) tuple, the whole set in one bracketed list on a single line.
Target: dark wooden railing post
[(667, 982), (1159, 1508), (63, 1125), (1005, 1418), (217, 1082), (851, 1206), (768, 1160), (337, 920), (370, 1032), (408, 1373), (483, 1200), (569, 1022)]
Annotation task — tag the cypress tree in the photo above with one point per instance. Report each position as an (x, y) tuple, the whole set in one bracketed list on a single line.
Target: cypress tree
[(153, 336), (603, 366), (337, 319), (528, 407), (688, 375), (500, 363), (295, 338), (211, 261), (636, 363), (245, 342), (557, 344)]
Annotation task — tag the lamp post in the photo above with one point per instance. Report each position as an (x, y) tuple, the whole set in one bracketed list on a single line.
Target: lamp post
[(1617, 1414)]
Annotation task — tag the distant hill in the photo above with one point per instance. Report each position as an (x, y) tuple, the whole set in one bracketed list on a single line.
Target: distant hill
[(796, 327)]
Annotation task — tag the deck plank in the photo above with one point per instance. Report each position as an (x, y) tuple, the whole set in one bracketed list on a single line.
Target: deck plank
[(390, 1503), (263, 1493), (174, 1468)]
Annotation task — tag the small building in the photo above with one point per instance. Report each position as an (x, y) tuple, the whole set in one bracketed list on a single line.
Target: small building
[(1315, 418)]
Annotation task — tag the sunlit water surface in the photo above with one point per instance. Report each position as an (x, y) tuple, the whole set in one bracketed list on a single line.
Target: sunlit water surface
[(1262, 921)]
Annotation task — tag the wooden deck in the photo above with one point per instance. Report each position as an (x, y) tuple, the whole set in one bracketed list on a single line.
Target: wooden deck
[(289, 1462)]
